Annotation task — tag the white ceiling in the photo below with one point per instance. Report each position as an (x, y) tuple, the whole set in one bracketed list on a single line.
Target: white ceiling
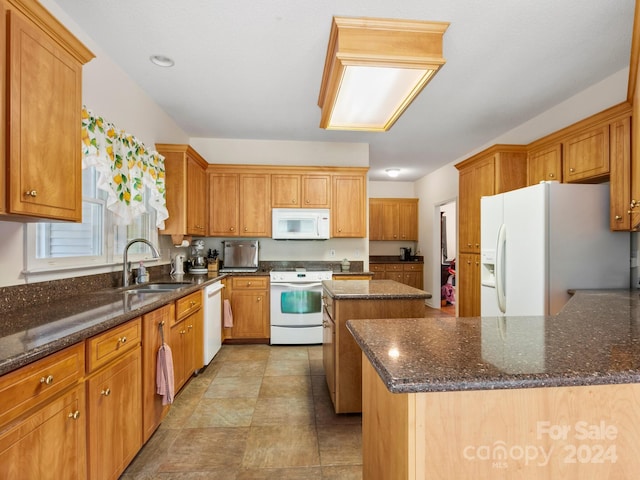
[(251, 69)]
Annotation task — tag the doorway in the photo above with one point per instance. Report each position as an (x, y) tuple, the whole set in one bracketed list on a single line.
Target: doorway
[(448, 254)]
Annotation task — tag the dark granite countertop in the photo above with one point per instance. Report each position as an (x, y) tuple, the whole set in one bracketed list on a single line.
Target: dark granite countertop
[(394, 259), (594, 340), (371, 290), (30, 333)]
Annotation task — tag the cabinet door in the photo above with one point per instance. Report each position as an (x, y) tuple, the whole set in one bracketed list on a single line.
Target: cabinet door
[(115, 416), (285, 191), (620, 217), (45, 89), (348, 206), (375, 220), (250, 314), (468, 285), (255, 198), (545, 165), (329, 353), (378, 271), (390, 221), (408, 221), (178, 346), (196, 198), (316, 191), (155, 326), (474, 183), (586, 155), (224, 204), (50, 444)]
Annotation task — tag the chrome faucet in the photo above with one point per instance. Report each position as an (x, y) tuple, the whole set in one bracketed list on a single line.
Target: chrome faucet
[(126, 265)]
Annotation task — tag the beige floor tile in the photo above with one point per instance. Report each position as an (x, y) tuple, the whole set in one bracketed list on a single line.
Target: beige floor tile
[(203, 449), (325, 414), (234, 353), (242, 368), (181, 409), (340, 444), (315, 352), (218, 474), (319, 385), (152, 453), (286, 386), (315, 366), (234, 387), (308, 473), (281, 446), (281, 352), (222, 412), (342, 472), (284, 411), (287, 367)]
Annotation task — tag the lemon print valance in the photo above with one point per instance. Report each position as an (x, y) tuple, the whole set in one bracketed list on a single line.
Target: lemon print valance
[(125, 168)]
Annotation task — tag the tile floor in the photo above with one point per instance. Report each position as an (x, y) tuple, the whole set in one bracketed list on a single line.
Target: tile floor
[(257, 412)]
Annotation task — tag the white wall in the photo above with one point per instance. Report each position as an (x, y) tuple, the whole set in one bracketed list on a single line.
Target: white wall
[(110, 93)]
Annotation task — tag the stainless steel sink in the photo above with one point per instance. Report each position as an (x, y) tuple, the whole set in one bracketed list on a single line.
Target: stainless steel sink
[(157, 287)]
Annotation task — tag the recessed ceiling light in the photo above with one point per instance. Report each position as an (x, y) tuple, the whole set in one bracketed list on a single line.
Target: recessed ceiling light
[(393, 172), (161, 61)]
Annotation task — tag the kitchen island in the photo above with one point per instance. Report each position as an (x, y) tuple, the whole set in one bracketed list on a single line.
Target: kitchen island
[(344, 300), (503, 398)]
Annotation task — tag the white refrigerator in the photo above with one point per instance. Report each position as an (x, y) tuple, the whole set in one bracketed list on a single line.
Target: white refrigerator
[(540, 241)]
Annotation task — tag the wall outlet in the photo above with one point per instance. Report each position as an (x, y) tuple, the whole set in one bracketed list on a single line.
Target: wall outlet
[(332, 252), (357, 253)]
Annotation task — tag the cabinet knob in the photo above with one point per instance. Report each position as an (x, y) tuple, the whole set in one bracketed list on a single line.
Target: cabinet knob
[(307, 200), (572, 170), (468, 245), (551, 175), (31, 193), (122, 340), (74, 415), (189, 327), (477, 245), (182, 332), (48, 380), (106, 392), (258, 299), (293, 201), (192, 303), (246, 229), (618, 218)]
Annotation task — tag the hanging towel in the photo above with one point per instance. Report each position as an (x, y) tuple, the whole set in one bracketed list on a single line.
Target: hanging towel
[(228, 315), (164, 374)]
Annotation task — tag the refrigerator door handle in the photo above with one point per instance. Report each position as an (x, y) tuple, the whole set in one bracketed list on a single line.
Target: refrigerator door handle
[(500, 268)]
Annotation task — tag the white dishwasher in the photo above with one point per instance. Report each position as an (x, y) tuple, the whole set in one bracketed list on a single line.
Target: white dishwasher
[(212, 320)]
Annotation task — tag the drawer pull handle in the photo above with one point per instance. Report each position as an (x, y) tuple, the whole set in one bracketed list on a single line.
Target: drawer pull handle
[(106, 392), (122, 340), (31, 193), (192, 303), (74, 415), (182, 332), (48, 380), (189, 327), (259, 298)]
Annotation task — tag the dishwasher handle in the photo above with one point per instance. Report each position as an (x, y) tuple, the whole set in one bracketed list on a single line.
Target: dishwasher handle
[(211, 290)]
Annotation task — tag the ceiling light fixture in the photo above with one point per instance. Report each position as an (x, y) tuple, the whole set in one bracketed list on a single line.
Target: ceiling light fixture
[(393, 172), (375, 68), (161, 61)]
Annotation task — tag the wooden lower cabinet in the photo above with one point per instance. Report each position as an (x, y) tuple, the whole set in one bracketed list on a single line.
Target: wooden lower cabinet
[(468, 285), (329, 348), (50, 443), (409, 273), (249, 298), (344, 356), (155, 325), (114, 396)]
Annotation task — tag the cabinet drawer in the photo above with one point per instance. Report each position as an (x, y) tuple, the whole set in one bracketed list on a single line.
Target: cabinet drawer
[(254, 283), (41, 380), (393, 267), (376, 267), (327, 303), (413, 268), (185, 306), (113, 343)]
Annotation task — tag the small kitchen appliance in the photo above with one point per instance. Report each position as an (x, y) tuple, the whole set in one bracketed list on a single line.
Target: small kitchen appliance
[(405, 254), (177, 265), (240, 256), (198, 260)]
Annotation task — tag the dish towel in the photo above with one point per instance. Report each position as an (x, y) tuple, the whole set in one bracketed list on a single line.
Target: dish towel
[(228, 315), (164, 374)]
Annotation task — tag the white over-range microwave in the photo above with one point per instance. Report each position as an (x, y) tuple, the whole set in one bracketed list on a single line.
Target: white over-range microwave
[(300, 223)]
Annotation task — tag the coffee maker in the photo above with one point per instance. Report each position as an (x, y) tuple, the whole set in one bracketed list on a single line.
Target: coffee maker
[(197, 262), (405, 254)]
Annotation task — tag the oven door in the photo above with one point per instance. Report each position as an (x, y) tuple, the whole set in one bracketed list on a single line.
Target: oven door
[(296, 304)]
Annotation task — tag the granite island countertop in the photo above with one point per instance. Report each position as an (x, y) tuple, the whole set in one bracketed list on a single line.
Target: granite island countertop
[(371, 289), (33, 332), (594, 340)]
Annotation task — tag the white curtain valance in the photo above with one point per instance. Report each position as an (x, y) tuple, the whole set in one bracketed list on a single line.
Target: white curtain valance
[(125, 167)]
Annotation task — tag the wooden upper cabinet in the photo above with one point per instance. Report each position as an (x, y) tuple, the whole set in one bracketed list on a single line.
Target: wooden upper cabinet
[(545, 164), (586, 155), (393, 219), (224, 207), (186, 184), (255, 214), (42, 102), (620, 181), (348, 212), (300, 191)]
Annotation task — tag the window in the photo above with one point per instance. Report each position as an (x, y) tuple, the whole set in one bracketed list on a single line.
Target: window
[(97, 241)]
